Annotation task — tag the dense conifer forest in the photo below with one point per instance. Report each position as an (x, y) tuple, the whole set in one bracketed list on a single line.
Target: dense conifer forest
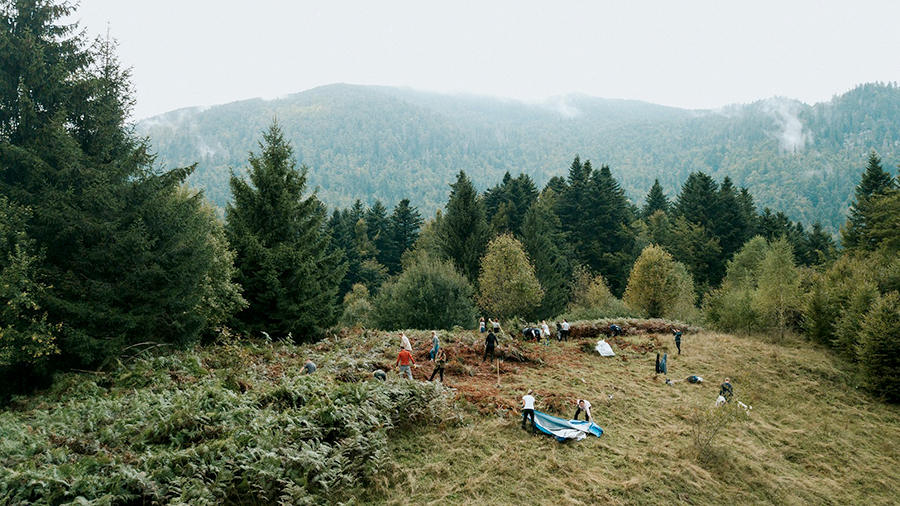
[(376, 143)]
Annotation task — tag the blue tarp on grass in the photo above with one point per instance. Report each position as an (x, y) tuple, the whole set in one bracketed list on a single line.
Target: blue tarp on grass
[(565, 429)]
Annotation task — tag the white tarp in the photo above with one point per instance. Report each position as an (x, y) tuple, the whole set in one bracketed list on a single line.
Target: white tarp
[(604, 349), (566, 429)]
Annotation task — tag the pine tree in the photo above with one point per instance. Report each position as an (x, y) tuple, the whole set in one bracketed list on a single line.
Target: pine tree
[(544, 244), (698, 201), (612, 248), (821, 245), (731, 224), (695, 247), (596, 218), (698, 205), (403, 231), (130, 256), (656, 201), (879, 349), (290, 276), (573, 205), (463, 231), (342, 228), (509, 201), (875, 181), (377, 228)]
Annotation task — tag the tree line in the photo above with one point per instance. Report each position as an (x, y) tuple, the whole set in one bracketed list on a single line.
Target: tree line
[(102, 254)]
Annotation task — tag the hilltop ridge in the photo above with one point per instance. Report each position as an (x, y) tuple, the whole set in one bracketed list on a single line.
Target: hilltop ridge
[(376, 142)]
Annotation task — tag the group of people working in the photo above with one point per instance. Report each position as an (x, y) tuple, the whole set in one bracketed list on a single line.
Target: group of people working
[(405, 362), (581, 406), (405, 359)]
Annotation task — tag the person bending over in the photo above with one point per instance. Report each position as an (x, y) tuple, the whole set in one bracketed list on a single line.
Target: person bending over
[(583, 405)]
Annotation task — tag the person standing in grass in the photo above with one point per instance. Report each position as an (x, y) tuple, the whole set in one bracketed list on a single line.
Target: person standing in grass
[(435, 345), (678, 340), (489, 343), (440, 360), (405, 360), (564, 334), (404, 342), (528, 411), (481, 325)]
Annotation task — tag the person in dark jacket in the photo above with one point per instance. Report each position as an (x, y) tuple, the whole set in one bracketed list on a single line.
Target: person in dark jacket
[(440, 360), (490, 342), (678, 340), (726, 391)]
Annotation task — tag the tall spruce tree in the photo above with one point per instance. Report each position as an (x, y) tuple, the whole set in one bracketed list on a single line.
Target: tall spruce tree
[(377, 227), (875, 182), (128, 255), (656, 201), (403, 228), (596, 218), (698, 201), (879, 349), (613, 245), (510, 200), (731, 224), (342, 228), (463, 231), (882, 230), (544, 243), (289, 274)]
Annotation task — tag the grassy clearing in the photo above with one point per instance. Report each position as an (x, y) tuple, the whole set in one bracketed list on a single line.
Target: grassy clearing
[(236, 424), (811, 438)]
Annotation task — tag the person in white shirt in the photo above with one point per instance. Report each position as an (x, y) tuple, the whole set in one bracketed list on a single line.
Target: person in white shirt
[(565, 331), (528, 411), (583, 405), (404, 342), (545, 330)]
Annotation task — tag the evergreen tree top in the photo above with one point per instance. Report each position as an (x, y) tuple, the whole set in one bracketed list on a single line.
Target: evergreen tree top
[(874, 180), (656, 200)]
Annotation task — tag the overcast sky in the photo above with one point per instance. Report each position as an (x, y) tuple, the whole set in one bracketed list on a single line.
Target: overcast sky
[(692, 54)]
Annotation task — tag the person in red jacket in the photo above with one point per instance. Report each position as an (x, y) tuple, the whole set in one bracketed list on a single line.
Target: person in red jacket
[(404, 359)]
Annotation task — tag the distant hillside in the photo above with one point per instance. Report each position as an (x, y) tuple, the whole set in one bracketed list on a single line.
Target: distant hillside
[(368, 143)]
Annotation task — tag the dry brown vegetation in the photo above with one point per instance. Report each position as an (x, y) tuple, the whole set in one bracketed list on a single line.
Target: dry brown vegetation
[(812, 437)]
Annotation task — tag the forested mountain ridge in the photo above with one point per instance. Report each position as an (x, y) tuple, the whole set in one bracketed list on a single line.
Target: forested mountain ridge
[(368, 143)]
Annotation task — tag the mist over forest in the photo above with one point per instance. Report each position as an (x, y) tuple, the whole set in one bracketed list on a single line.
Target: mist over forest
[(378, 143)]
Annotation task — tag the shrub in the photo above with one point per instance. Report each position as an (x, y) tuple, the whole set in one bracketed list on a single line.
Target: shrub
[(708, 422), (879, 348), (429, 293)]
